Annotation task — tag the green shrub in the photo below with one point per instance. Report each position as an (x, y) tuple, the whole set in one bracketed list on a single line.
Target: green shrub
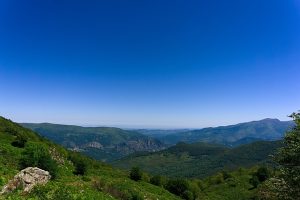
[(145, 177), (2, 181), (188, 195), (156, 180), (136, 196), (179, 187), (20, 141), (135, 174), (263, 173), (231, 182), (80, 164), (254, 181), (36, 155)]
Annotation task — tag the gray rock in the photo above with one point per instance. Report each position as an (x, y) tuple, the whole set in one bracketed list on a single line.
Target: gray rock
[(27, 179)]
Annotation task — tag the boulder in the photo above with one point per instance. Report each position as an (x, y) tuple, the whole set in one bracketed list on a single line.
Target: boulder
[(27, 179)]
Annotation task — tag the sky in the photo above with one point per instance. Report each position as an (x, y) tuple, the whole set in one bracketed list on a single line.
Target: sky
[(149, 64)]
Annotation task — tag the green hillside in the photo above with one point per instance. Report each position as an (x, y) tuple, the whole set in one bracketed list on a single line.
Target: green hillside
[(233, 135), (101, 143), (199, 160), (94, 180)]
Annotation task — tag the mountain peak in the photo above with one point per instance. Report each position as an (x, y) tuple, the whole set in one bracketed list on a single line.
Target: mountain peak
[(270, 120)]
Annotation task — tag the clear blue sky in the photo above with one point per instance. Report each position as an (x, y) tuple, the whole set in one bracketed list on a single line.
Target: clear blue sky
[(149, 63)]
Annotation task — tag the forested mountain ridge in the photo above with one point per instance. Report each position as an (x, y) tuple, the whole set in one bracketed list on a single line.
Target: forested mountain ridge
[(232, 135), (102, 143), (199, 160)]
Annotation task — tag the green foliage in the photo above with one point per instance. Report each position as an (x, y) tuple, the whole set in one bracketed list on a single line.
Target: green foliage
[(263, 173), (254, 181), (286, 184), (179, 187), (20, 141), (36, 155), (157, 180), (80, 164), (135, 174), (2, 181)]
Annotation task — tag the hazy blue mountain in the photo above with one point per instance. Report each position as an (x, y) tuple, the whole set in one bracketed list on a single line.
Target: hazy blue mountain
[(200, 160), (160, 132), (102, 143), (233, 135)]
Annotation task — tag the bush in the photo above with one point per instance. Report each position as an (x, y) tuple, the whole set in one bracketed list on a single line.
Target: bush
[(254, 181), (135, 174), (36, 155), (188, 195), (20, 141), (263, 174), (80, 164), (145, 177), (179, 187), (80, 167), (137, 197), (156, 180), (2, 181)]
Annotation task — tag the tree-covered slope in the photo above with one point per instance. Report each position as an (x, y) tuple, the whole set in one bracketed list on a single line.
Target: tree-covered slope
[(233, 135), (74, 176), (200, 159), (102, 143)]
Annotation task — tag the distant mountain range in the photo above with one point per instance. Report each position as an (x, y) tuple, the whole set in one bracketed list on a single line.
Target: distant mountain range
[(199, 160), (102, 143), (233, 135), (109, 144)]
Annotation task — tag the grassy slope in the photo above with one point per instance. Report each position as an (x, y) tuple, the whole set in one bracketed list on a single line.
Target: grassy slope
[(115, 182), (200, 160)]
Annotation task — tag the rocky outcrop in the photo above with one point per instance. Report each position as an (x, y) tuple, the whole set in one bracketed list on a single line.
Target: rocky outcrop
[(27, 179), (94, 144), (132, 146)]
